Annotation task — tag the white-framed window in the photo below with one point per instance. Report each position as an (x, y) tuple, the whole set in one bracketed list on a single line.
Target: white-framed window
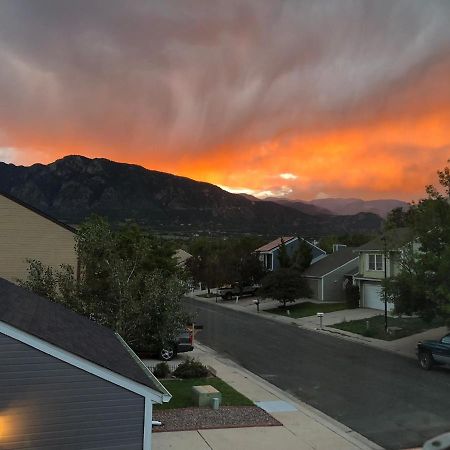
[(375, 261)]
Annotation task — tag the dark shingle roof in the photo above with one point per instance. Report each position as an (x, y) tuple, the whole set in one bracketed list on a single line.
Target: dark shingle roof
[(395, 239), (70, 331), (330, 262)]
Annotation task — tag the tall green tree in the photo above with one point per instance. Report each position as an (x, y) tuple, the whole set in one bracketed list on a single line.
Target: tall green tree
[(128, 281), (423, 284), (284, 259), (302, 257), (285, 285)]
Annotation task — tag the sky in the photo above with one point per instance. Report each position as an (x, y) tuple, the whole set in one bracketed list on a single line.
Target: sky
[(302, 99)]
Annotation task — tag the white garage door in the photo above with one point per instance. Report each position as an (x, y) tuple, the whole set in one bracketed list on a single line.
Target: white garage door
[(373, 297)]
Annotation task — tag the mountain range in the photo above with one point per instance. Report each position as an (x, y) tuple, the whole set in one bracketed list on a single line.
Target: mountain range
[(342, 206), (75, 187)]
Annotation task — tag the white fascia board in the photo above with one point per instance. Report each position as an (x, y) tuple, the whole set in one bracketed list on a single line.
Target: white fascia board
[(81, 363), (318, 258), (312, 245), (166, 396), (375, 280)]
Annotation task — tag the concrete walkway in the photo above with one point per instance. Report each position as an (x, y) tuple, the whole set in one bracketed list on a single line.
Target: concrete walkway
[(404, 346), (304, 428)]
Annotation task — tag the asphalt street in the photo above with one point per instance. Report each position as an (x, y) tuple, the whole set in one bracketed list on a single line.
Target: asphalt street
[(383, 396)]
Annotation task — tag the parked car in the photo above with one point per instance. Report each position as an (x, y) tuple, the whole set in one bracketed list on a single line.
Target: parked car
[(236, 289), (431, 353), (184, 343)]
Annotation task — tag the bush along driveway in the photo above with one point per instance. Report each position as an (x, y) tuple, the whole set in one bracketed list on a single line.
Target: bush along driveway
[(398, 327)]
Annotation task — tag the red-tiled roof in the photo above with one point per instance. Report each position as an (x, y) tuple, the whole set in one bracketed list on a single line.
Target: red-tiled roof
[(274, 244)]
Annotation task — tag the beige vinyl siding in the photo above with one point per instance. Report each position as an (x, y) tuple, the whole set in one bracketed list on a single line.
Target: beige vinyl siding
[(25, 234), (392, 265)]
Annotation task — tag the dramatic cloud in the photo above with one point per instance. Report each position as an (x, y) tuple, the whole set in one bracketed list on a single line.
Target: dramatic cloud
[(300, 98)]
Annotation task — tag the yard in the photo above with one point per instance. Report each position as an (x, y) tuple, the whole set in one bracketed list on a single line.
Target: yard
[(306, 309), (374, 327), (181, 391)]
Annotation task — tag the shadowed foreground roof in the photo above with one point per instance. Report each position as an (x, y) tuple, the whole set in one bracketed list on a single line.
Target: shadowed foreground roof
[(70, 331)]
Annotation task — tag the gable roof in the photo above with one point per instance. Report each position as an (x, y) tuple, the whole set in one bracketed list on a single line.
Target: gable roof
[(395, 239), (78, 335), (37, 211), (182, 256), (330, 263), (275, 244)]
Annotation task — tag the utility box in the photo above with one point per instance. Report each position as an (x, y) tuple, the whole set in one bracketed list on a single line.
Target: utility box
[(204, 395)]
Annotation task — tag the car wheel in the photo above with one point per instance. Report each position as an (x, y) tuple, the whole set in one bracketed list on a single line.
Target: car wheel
[(425, 360), (166, 354)]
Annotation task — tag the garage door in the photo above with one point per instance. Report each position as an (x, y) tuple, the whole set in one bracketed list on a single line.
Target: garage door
[(373, 297)]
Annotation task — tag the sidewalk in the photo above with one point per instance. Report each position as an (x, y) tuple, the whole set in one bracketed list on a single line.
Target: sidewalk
[(304, 428), (404, 346)]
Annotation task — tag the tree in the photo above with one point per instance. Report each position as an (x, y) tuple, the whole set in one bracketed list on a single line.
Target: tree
[(128, 282), (397, 218), (284, 285), (224, 261), (283, 257), (423, 283), (302, 257)]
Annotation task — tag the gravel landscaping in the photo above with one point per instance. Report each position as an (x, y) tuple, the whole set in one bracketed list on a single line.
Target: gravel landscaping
[(186, 419)]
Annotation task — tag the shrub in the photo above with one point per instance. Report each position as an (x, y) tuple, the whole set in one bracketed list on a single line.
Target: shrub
[(352, 296), (191, 369), (161, 370)]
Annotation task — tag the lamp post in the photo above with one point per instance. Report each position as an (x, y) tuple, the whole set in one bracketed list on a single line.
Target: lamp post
[(383, 238)]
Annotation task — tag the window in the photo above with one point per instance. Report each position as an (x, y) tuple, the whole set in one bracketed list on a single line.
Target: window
[(375, 262), (446, 339)]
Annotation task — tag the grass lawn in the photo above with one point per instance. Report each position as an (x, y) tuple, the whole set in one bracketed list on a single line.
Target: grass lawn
[(306, 309), (408, 327), (182, 393)]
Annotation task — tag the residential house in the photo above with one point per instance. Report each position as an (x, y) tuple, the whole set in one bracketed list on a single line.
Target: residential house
[(182, 257), (379, 259), (269, 253), (27, 233), (67, 382), (329, 276)]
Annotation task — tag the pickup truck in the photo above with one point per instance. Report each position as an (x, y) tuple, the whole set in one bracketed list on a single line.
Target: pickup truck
[(235, 289), (431, 353)]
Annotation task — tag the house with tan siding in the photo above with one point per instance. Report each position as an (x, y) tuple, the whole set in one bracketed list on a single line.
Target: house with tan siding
[(27, 233)]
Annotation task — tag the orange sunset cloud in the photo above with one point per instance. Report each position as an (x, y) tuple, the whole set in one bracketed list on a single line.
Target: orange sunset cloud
[(298, 99)]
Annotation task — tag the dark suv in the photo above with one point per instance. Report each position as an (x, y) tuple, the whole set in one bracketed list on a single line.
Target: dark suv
[(434, 352), (184, 343)]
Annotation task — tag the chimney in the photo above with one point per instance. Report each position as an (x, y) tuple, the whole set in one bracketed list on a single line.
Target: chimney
[(337, 247)]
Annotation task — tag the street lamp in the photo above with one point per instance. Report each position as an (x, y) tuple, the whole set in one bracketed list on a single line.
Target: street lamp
[(383, 238)]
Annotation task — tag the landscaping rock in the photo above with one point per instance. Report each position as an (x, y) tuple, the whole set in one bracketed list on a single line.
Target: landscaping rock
[(186, 419)]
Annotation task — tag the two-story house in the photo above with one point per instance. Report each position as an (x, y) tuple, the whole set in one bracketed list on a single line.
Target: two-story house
[(379, 259), (269, 253)]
